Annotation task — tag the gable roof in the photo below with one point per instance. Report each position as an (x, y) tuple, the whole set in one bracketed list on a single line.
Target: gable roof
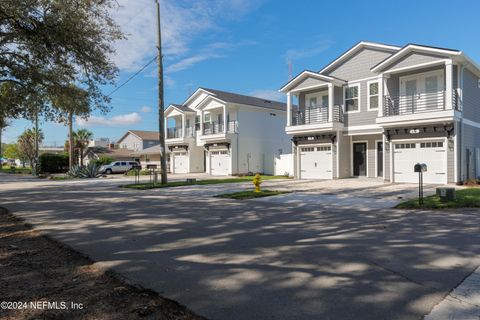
[(142, 134), (412, 47), (307, 73), (246, 100), (359, 46), (117, 154), (182, 107)]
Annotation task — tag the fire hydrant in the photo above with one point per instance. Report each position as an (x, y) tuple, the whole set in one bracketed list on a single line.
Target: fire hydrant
[(257, 180)]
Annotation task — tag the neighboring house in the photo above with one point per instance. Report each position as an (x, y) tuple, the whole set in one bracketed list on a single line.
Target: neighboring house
[(224, 133), (137, 140), (99, 142), (378, 109), (150, 156), (51, 149), (95, 153)]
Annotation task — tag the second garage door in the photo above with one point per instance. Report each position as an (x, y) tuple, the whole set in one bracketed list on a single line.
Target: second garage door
[(180, 162), (432, 153), (219, 163), (316, 162)]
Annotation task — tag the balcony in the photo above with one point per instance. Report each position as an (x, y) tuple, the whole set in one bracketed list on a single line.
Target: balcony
[(210, 128), (176, 133), (421, 107), (316, 115)]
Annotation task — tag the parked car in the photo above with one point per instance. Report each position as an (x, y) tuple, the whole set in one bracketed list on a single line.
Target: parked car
[(119, 167)]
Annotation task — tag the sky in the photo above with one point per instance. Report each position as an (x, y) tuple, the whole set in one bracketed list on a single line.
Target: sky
[(244, 46)]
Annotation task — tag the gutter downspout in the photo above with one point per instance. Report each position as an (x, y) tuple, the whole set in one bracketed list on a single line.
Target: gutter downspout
[(461, 137)]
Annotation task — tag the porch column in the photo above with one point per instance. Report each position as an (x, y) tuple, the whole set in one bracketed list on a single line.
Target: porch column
[(448, 85), (330, 102), (225, 124), (289, 109), (381, 98), (183, 125)]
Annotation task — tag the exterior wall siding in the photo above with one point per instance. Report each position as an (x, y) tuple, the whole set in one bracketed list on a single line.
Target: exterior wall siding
[(358, 66), (309, 82), (364, 117), (413, 59), (470, 152), (471, 96)]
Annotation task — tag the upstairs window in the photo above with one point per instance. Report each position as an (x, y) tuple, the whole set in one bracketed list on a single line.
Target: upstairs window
[(373, 95), (352, 101), (312, 102)]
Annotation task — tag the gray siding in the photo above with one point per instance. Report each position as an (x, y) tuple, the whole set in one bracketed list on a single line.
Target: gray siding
[(471, 96), (344, 155), (413, 59), (471, 142), (358, 66), (308, 83), (364, 117)]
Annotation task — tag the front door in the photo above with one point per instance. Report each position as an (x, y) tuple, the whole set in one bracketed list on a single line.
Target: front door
[(379, 159), (360, 159)]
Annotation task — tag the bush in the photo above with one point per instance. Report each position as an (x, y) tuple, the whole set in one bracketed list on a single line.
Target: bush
[(53, 163), (143, 172), (103, 160)]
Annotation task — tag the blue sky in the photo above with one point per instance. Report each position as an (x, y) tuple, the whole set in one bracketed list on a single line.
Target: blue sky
[(243, 46)]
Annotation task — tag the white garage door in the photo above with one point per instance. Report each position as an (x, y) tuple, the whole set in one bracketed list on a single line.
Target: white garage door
[(316, 162), (219, 163), (432, 153), (180, 162)]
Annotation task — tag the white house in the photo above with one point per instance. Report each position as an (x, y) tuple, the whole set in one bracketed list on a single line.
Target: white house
[(223, 133)]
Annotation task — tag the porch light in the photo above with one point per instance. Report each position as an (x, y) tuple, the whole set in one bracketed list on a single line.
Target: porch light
[(387, 146), (334, 148), (450, 144)]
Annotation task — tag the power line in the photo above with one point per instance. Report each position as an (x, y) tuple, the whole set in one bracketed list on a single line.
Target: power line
[(132, 76)]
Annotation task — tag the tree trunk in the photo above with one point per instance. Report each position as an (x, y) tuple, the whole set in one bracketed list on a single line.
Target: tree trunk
[(1, 154), (81, 156), (70, 140), (36, 169)]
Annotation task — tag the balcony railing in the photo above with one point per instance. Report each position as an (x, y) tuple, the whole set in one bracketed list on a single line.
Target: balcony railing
[(316, 115), (418, 103), (176, 132), (218, 127)]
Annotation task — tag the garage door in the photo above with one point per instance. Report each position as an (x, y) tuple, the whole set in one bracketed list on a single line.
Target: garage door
[(180, 162), (316, 162), (432, 153), (219, 163)]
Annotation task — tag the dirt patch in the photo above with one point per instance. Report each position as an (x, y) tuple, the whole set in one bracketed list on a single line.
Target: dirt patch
[(56, 282)]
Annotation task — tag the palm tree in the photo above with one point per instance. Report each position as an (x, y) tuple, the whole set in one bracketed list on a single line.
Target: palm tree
[(81, 139)]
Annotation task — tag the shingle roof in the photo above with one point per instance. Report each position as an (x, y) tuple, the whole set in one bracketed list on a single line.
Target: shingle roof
[(146, 135), (182, 107), (117, 154), (247, 100)]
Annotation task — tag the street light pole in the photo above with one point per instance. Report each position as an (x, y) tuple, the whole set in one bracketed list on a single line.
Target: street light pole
[(161, 111)]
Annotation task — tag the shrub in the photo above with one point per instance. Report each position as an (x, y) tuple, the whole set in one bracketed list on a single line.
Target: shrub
[(53, 163), (90, 171), (103, 160)]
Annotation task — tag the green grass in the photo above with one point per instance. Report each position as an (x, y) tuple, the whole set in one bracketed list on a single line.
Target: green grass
[(465, 198), (250, 194), (61, 178), (145, 186), (16, 170)]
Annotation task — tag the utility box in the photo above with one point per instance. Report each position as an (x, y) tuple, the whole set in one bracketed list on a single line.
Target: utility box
[(446, 194)]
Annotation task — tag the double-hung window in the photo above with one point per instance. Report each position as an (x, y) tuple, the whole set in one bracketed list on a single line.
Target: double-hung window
[(373, 95), (352, 98)]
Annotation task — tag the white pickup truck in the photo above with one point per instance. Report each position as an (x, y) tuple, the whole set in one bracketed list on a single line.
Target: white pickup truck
[(119, 167)]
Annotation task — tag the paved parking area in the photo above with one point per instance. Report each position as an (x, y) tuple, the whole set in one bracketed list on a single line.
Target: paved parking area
[(229, 259)]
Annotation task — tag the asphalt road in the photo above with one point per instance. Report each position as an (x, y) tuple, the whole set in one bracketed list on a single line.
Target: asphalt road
[(227, 259)]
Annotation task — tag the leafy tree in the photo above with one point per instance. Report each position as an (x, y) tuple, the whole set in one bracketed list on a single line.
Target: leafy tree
[(11, 151), (26, 145), (103, 160), (45, 45), (81, 138)]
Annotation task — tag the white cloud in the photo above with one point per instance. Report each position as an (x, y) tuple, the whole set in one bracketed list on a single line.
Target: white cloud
[(115, 121), (318, 46), (269, 95), (190, 61), (182, 22), (146, 109)]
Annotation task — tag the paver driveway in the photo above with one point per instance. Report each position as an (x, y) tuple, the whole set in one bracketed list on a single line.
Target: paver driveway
[(260, 260)]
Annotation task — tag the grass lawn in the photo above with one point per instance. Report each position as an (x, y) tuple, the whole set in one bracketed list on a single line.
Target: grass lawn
[(465, 198), (61, 178), (250, 194), (16, 170), (144, 186)]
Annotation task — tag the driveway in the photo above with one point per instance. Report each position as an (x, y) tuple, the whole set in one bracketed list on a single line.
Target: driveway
[(228, 259)]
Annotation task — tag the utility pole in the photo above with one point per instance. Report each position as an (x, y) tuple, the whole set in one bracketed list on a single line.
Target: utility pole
[(161, 111), (35, 169)]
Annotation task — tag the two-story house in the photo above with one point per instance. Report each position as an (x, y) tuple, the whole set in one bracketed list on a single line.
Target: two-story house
[(137, 140), (378, 109), (224, 133)]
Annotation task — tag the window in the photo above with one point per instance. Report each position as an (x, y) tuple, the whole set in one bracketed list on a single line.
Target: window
[(206, 117), (197, 119), (325, 101), (124, 145), (352, 101), (405, 146), (431, 144), (372, 95), (312, 102), (327, 148)]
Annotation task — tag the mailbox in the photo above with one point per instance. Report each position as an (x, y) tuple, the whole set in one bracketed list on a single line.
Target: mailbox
[(151, 166), (420, 167)]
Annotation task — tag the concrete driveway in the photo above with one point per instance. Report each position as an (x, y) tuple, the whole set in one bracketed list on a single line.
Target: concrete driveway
[(259, 260)]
